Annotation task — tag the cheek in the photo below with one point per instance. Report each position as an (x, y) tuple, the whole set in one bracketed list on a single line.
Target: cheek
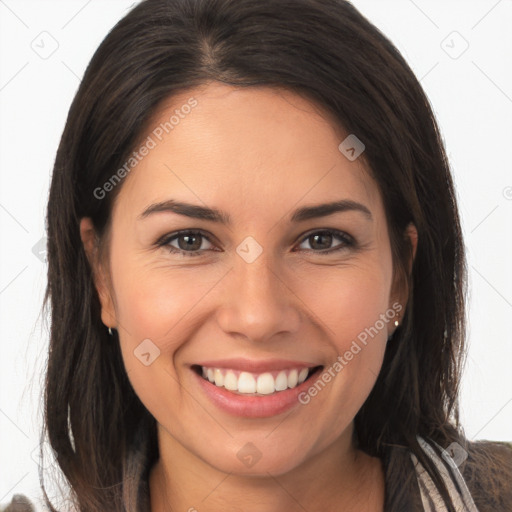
[(348, 304), (358, 338), (160, 304), (155, 310), (153, 301), (346, 300)]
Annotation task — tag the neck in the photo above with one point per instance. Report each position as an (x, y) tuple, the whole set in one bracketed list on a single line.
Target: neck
[(339, 477)]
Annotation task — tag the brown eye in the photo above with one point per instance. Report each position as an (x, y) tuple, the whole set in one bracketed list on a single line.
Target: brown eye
[(321, 241), (189, 243)]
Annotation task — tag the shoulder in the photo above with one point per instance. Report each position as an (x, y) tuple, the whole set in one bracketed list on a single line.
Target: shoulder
[(19, 503), (487, 472), (486, 469)]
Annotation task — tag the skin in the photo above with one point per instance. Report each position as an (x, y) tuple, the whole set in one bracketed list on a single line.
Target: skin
[(273, 151)]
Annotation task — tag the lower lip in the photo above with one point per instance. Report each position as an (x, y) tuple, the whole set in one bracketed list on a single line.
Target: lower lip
[(254, 406)]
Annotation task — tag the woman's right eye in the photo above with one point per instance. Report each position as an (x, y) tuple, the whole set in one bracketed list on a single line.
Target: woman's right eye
[(187, 243)]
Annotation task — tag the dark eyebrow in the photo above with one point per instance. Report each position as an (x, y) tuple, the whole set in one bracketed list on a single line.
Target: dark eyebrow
[(214, 215), (322, 210), (187, 209)]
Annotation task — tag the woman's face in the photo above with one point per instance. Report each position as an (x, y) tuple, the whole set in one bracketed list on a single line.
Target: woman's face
[(261, 288)]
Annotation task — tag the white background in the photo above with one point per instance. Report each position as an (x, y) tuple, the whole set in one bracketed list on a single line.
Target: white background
[(471, 96)]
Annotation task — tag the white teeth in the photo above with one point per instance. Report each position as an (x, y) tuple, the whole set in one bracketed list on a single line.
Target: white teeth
[(281, 381), (293, 377), (249, 383), (265, 384), (246, 383), (230, 381), (303, 375), (219, 378)]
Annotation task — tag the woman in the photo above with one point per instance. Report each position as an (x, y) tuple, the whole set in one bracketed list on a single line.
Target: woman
[(256, 273)]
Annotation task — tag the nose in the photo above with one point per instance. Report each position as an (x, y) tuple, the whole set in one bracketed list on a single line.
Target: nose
[(258, 304)]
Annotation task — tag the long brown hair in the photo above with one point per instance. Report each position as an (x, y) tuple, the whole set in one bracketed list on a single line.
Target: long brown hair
[(324, 50)]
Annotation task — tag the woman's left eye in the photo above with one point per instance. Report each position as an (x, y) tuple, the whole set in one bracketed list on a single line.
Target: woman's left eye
[(323, 240), (191, 243)]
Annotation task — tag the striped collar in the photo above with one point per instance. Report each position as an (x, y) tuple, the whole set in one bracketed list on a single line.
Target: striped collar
[(452, 477)]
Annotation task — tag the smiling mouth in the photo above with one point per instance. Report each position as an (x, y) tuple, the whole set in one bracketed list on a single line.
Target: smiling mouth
[(255, 384)]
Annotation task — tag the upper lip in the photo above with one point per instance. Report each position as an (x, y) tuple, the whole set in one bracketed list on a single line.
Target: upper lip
[(255, 366)]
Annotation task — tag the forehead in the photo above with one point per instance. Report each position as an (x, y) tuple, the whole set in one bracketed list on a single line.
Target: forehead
[(253, 147)]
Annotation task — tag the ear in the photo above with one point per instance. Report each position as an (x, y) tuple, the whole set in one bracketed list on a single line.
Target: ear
[(101, 281), (400, 293)]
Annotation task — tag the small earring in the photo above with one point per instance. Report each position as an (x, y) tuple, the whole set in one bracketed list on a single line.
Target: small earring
[(397, 323), (110, 331)]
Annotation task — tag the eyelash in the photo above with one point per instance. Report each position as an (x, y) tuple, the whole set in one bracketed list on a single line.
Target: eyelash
[(348, 241)]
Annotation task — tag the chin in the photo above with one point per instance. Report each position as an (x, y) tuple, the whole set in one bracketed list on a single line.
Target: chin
[(257, 458)]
